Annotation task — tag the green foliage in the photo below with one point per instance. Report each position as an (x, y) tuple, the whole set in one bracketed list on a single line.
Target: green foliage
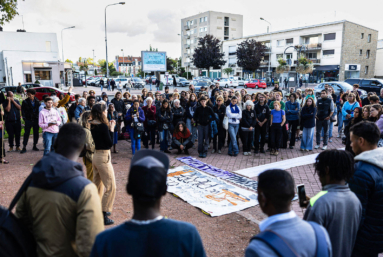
[(186, 74), (8, 10), (228, 71), (250, 54), (116, 73), (95, 72), (37, 82), (140, 73), (110, 66), (282, 62), (171, 64)]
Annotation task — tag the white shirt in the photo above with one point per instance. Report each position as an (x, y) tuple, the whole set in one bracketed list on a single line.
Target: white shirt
[(275, 218), (234, 118)]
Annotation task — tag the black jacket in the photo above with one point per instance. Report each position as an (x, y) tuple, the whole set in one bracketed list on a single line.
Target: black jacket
[(29, 111), (248, 119), (204, 115), (71, 110), (164, 117), (178, 115), (221, 113), (262, 112), (183, 102), (102, 82), (119, 105)]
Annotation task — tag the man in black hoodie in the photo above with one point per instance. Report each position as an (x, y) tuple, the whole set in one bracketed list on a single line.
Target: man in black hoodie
[(61, 206), (203, 116), (30, 112), (262, 113)]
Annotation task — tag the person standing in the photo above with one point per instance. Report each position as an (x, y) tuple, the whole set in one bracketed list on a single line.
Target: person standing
[(49, 121), (150, 81), (61, 207), (158, 82), (2, 148), (89, 144), (134, 115), (203, 116), (30, 113), (112, 84), (262, 114), (292, 117), (103, 172), (234, 114), (108, 84), (120, 108), (149, 123), (220, 110), (325, 109), (348, 109), (300, 82), (81, 107), (277, 121), (164, 118), (308, 115), (190, 110), (247, 126), (336, 207), (12, 121), (367, 184), (112, 115), (101, 84)]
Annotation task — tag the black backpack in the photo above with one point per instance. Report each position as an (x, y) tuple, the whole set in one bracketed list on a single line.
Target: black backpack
[(15, 238)]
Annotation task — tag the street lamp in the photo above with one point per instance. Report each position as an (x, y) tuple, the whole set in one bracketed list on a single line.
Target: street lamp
[(123, 60), (62, 41), (106, 40), (262, 19)]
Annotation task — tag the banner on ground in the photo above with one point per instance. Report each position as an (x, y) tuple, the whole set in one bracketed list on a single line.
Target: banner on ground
[(223, 174), (213, 195)]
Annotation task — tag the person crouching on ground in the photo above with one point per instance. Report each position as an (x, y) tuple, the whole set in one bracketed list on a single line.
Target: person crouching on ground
[(182, 138)]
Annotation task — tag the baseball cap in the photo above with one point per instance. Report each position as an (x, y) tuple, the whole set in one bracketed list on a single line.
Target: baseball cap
[(148, 174)]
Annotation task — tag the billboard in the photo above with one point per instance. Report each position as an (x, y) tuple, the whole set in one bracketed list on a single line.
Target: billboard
[(153, 61)]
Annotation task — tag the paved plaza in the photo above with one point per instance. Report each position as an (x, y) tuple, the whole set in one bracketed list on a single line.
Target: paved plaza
[(226, 235)]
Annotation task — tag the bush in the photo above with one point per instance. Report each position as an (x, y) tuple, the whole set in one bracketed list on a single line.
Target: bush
[(186, 74), (37, 82)]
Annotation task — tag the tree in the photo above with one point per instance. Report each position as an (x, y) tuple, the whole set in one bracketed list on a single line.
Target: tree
[(208, 54), (227, 71), (170, 64), (8, 10), (67, 60), (110, 66), (250, 53)]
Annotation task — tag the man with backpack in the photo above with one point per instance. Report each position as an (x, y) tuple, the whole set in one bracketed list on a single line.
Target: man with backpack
[(60, 206), (283, 233)]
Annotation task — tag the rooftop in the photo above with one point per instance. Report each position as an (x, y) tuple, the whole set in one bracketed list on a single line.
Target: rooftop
[(201, 13)]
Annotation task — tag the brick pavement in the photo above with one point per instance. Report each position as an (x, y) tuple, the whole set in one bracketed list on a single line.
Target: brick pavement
[(227, 235)]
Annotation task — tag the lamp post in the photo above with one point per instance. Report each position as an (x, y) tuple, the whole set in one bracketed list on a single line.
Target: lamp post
[(262, 19), (62, 41), (106, 40), (123, 60), (93, 65)]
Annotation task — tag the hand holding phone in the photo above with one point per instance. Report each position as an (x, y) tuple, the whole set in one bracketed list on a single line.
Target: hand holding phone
[(303, 199)]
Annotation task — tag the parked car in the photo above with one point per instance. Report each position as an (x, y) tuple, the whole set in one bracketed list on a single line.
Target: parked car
[(5, 89), (138, 83), (182, 82), (225, 82), (256, 83), (153, 79), (31, 85), (124, 81), (200, 84), (370, 85), (241, 81), (40, 91), (338, 87), (97, 82)]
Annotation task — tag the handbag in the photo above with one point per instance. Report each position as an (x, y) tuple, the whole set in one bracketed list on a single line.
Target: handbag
[(225, 123), (138, 130), (165, 126)]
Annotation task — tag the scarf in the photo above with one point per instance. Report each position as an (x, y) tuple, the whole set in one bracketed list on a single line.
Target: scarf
[(180, 135), (310, 96), (235, 110)]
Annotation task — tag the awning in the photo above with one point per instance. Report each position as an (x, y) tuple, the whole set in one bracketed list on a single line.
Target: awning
[(326, 67)]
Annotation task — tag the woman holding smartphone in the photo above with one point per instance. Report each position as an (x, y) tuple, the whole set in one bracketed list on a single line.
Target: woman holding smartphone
[(103, 172), (277, 120)]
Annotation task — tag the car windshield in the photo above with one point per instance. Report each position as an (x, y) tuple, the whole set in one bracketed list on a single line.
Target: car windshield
[(262, 81), (201, 84), (345, 86), (137, 80), (183, 80)]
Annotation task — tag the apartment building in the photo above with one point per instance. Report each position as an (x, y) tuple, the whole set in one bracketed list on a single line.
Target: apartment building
[(338, 50), (223, 26), (128, 64), (379, 60)]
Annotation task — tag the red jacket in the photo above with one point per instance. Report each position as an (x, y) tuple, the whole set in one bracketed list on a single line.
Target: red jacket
[(150, 114)]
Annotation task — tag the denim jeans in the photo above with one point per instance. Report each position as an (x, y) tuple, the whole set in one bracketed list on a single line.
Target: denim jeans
[(150, 86), (319, 125), (330, 128), (136, 143), (164, 139), (192, 129), (307, 141), (233, 131), (340, 122), (102, 87), (203, 138), (49, 140)]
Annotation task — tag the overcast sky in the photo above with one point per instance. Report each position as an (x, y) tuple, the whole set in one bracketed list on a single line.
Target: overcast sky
[(136, 25)]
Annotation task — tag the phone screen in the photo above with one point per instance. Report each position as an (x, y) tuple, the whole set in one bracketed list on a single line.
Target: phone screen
[(301, 194)]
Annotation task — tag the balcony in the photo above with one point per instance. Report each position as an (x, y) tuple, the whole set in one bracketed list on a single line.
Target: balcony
[(232, 65), (314, 60), (312, 47), (186, 27), (187, 46), (264, 63), (187, 36), (187, 64), (233, 53)]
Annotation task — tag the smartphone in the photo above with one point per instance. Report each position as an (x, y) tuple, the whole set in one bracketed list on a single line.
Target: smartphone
[(301, 195)]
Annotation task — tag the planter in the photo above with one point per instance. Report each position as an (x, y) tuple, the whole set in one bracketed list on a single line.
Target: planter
[(282, 69)]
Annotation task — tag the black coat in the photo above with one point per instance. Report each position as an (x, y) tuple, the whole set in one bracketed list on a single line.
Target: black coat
[(248, 119), (221, 113), (29, 111), (119, 105), (178, 115), (204, 115), (164, 117)]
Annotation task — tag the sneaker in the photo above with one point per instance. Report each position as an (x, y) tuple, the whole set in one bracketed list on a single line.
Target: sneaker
[(297, 139), (18, 149), (291, 147), (330, 140), (302, 149), (245, 153), (272, 152), (10, 149), (276, 152), (324, 147), (262, 150), (338, 136), (24, 150), (219, 151), (307, 150), (249, 153), (186, 151), (235, 155), (108, 221), (231, 154), (213, 151), (204, 155), (317, 146), (35, 148), (200, 155)]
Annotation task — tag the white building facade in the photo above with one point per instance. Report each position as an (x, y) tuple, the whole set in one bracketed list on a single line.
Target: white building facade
[(379, 60), (29, 57), (332, 47)]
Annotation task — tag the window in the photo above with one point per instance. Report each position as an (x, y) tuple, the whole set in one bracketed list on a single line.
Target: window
[(367, 54), (328, 52), (289, 41), (289, 56), (28, 77), (191, 23), (206, 18), (279, 56), (280, 42), (205, 28), (232, 50), (375, 83), (366, 70), (48, 46), (369, 38), (362, 35), (226, 21), (43, 75), (360, 51), (195, 31), (330, 36), (311, 55), (201, 29)]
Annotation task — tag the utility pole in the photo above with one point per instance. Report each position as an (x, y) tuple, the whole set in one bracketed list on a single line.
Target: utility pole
[(94, 68)]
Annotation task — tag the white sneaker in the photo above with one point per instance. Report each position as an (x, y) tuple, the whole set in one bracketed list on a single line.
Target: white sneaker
[(324, 147), (338, 136), (330, 140), (245, 153), (249, 153), (317, 146)]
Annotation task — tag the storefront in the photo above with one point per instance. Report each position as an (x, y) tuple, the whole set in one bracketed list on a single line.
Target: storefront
[(351, 71), (47, 73), (324, 73)]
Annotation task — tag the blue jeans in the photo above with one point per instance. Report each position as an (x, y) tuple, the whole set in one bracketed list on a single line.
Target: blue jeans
[(49, 140), (322, 124), (340, 122), (192, 129), (136, 143), (330, 128), (164, 140), (233, 131), (307, 141), (150, 86), (101, 87)]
